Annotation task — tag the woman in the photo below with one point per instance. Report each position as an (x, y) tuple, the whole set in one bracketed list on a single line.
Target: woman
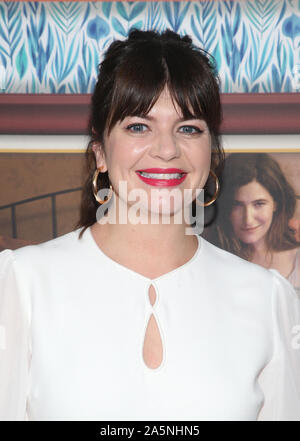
[(126, 320), (256, 206)]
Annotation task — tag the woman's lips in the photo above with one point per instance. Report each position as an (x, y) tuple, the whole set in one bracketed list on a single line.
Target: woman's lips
[(249, 230), (161, 182)]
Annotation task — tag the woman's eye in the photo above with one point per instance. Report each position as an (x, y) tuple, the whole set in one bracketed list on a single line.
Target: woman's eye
[(259, 204), (190, 130), (137, 128)]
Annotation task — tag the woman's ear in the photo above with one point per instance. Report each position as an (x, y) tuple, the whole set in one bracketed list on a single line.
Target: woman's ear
[(99, 156)]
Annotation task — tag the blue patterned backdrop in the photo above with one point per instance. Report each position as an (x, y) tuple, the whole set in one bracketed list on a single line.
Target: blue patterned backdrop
[(55, 47)]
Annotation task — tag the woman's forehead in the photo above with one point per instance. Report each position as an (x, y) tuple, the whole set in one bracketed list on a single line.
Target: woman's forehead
[(252, 190), (167, 101)]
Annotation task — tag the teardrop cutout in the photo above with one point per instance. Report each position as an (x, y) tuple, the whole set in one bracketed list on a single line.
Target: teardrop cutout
[(153, 348)]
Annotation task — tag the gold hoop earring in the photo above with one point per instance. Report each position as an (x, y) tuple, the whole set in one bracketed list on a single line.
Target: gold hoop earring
[(95, 190), (217, 183)]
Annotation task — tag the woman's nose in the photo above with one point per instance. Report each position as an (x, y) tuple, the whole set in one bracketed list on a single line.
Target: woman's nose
[(248, 215), (165, 147)]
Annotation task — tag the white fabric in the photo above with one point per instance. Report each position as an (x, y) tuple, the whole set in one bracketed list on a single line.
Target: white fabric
[(73, 324)]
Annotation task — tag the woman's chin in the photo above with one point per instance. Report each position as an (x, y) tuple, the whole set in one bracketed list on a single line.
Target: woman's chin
[(249, 240), (155, 213)]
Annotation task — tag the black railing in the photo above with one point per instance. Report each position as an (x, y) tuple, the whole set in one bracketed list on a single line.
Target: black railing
[(13, 206)]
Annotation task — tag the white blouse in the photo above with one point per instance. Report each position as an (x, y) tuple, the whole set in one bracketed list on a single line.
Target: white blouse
[(72, 326)]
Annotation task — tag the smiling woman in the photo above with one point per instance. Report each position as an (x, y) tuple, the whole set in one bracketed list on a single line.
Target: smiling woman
[(256, 206), (252, 213), (132, 318), (144, 86), (139, 158)]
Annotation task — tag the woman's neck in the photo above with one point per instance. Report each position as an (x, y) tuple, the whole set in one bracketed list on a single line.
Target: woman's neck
[(150, 242), (154, 233), (261, 255)]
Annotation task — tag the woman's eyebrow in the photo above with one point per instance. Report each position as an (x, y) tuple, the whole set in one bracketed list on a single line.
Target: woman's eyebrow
[(254, 200), (152, 118)]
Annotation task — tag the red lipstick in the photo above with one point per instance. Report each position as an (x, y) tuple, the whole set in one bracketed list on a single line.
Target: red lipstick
[(160, 182)]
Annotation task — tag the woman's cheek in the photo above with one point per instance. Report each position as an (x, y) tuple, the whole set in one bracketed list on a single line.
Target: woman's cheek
[(235, 218), (268, 215)]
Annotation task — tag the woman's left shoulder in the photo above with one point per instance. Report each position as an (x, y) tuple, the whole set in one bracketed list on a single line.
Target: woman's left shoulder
[(226, 261), (238, 274), (282, 285)]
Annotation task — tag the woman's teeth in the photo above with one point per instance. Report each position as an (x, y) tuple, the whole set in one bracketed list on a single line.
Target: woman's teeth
[(161, 175)]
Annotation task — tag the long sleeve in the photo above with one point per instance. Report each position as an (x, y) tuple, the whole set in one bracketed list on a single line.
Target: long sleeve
[(14, 341), (280, 379)]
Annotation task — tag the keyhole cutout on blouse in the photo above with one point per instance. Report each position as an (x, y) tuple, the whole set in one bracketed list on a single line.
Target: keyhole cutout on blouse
[(153, 348)]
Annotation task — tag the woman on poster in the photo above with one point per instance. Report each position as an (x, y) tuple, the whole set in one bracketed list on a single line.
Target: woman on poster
[(256, 206)]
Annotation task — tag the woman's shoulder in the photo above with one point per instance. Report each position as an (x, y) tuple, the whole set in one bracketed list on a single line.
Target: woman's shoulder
[(63, 246), (243, 279), (297, 256), (233, 270), (225, 260)]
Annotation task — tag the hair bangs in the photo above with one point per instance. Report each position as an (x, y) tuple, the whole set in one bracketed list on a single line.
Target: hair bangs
[(186, 100), (137, 87), (189, 84)]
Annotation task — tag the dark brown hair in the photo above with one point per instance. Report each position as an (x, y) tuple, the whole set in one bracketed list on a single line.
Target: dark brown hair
[(131, 78), (241, 169)]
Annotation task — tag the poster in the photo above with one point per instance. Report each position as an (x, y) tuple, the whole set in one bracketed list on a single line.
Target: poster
[(257, 214)]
